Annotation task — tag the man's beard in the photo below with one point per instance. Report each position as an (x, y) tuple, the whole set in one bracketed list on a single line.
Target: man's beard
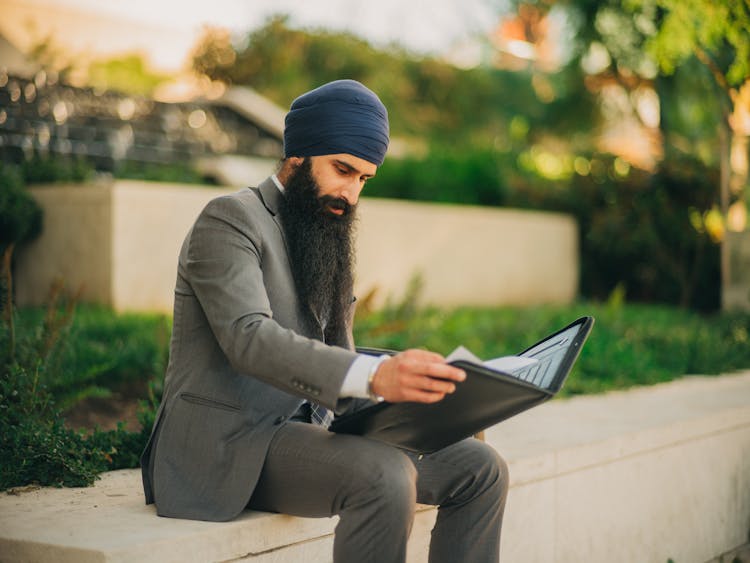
[(321, 246)]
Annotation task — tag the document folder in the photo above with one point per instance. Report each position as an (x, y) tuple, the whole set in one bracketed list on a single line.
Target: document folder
[(484, 398)]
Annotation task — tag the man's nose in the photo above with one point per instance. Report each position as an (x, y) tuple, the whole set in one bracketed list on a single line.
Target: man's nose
[(351, 192)]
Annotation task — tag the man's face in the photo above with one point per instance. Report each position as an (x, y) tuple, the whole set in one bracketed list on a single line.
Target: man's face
[(340, 179)]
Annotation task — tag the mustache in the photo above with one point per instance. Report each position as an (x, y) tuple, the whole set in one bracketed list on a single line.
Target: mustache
[(338, 203)]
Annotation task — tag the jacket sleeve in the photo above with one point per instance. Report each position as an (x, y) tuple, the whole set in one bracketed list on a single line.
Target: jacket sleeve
[(223, 267)]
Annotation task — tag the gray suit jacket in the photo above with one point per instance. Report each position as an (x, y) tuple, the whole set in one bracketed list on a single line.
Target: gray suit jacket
[(243, 356)]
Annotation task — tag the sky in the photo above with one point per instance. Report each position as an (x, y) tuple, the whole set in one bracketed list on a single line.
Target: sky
[(431, 26)]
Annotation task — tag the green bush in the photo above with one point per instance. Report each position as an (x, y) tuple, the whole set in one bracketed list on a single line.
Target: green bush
[(35, 445), (644, 232), (181, 173), (20, 215), (55, 168), (474, 177)]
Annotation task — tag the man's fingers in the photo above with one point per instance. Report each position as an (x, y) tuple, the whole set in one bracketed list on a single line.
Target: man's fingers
[(416, 375), (445, 371), (439, 370), (426, 383)]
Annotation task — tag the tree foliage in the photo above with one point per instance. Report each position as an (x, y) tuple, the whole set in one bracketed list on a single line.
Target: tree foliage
[(426, 97), (717, 31), (692, 52), (128, 74)]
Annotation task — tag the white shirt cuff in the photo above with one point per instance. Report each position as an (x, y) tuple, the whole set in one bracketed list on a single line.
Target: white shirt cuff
[(355, 382)]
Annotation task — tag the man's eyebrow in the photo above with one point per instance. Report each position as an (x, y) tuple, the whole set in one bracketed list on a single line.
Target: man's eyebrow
[(351, 168)]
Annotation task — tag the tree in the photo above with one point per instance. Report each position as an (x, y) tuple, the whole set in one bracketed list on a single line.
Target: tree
[(717, 33), (428, 99), (128, 74), (696, 55)]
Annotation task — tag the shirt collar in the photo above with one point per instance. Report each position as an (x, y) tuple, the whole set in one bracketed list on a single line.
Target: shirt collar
[(278, 183)]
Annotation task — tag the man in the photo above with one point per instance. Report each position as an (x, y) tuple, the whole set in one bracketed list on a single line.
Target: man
[(262, 352)]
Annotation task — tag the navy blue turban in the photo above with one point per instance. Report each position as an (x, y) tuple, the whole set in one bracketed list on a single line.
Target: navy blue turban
[(339, 117)]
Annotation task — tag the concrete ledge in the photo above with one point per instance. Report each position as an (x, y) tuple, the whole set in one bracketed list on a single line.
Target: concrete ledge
[(109, 522), (643, 475)]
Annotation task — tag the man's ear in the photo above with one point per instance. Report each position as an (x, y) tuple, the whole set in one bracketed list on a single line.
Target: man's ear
[(295, 161), (289, 165)]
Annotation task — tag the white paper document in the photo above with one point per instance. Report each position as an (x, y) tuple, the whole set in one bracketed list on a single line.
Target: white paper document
[(507, 364)]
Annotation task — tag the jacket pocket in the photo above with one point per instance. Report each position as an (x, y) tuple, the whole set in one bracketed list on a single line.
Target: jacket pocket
[(198, 400)]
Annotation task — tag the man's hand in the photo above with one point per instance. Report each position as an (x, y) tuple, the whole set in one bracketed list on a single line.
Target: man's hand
[(415, 375)]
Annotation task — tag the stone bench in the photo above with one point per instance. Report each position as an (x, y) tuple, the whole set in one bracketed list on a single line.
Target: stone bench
[(642, 475)]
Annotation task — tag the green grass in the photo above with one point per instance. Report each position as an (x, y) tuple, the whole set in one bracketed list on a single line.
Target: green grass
[(102, 351), (60, 359), (629, 345)]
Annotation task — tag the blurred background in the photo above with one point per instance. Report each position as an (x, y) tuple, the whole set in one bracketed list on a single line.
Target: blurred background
[(634, 117)]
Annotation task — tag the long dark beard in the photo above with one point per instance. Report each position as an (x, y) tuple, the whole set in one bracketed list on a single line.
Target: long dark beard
[(321, 247)]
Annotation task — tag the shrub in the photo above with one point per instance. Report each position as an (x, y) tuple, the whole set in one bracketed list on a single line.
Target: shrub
[(102, 351), (182, 173), (20, 215), (35, 446), (48, 169), (640, 231), (474, 177)]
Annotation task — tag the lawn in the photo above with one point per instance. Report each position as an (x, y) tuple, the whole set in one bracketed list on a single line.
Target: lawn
[(629, 345), (60, 359)]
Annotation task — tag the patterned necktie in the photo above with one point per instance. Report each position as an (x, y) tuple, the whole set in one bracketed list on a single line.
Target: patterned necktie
[(320, 415)]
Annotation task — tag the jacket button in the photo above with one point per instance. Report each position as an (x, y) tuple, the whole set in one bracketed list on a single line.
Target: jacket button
[(279, 420)]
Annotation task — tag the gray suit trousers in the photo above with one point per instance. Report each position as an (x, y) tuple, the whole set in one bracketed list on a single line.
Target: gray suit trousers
[(374, 488)]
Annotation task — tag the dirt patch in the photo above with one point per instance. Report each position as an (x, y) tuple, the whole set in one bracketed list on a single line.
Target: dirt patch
[(122, 406)]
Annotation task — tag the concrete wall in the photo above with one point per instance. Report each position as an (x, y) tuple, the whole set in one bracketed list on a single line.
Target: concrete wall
[(149, 223), (75, 246), (466, 254), (120, 241)]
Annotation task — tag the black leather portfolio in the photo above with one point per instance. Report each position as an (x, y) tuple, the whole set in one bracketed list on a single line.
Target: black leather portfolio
[(484, 398)]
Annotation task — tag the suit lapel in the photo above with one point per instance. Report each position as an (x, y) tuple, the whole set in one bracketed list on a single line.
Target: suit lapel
[(271, 198)]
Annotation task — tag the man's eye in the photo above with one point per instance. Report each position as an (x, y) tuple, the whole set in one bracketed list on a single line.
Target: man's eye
[(342, 171)]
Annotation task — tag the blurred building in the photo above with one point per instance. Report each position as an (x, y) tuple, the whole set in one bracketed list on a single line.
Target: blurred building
[(234, 138)]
